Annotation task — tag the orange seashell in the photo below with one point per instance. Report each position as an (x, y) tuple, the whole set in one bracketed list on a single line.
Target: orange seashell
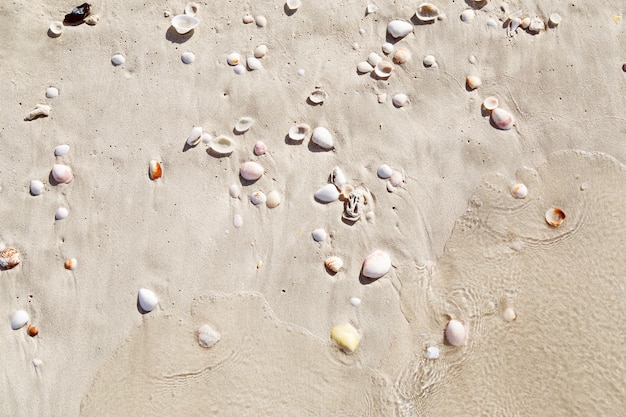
[(155, 170), (32, 330), (555, 217), (70, 263), (9, 258)]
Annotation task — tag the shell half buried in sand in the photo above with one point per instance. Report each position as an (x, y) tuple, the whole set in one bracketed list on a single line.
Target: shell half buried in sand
[(10, 258), (555, 217), (184, 23), (346, 337), (376, 264), (519, 191)]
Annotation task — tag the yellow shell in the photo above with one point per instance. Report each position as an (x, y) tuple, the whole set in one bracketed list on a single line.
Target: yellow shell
[(10, 258), (346, 337), (555, 217)]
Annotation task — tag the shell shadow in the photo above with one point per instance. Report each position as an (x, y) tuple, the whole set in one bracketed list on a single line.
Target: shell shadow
[(52, 35), (348, 222), (473, 5), (214, 154), (289, 141), (418, 22), (484, 112), (187, 146), (321, 201), (53, 182), (175, 37), (365, 280), (315, 148), (310, 103), (245, 182), (288, 11)]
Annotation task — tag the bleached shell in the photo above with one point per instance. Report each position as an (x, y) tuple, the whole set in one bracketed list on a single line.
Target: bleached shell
[(400, 100), (61, 213), (387, 47), (384, 171), (555, 19), (490, 103), (293, 4), (383, 69), (513, 25), (337, 177), (233, 191), (184, 23), (429, 61), (299, 132), (261, 21), (52, 92), (467, 15), (502, 119), (260, 51), (319, 235), (456, 333), (327, 194), (355, 301), (473, 82), (509, 314), (195, 136), (19, 319), (233, 59), (56, 28), (399, 28), (247, 19), (251, 171), (333, 263), (62, 173), (519, 191), (318, 96), (237, 220), (258, 197), (118, 59), (10, 258), (345, 190), (92, 19), (432, 352), (364, 67), (155, 171), (253, 63), (207, 336), (191, 8), (243, 124), (322, 138), (36, 187), (260, 148), (371, 8), (402, 56), (239, 69), (376, 264), (222, 145), (555, 217), (61, 150), (373, 59), (40, 110), (188, 57), (147, 300), (273, 199), (37, 362), (427, 12), (346, 337)]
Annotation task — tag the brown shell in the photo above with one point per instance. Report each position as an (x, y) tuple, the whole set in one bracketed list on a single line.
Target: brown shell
[(10, 258), (32, 330)]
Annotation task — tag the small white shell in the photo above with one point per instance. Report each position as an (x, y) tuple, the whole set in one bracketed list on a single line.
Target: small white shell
[(293, 4), (243, 124), (260, 148), (490, 103), (118, 59), (261, 21), (299, 132), (36, 187), (432, 352), (387, 47), (509, 314), (502, 119), (355, 301), (195, 136), (525, 23), (513, 25), (222, 145), (381, 98), (555, 19), (333, 263), (61, 213), (273, 199), (456, 333), (237, 220), (239, 69), (519, 191), (536, 25), (191, 8), (555, 217), (251, 171), (376, 264), (62, 173), (337, 177), (61, 150), (473, 82), (319, 235), (37, 362), (322, 138), (258, 197), (318, 96), (56, 28), (401, 56), (364, 67), (184, 23), (147, 300), (327, 194), (383, 69), (52, 92), (188, 57), (384, 171), (429, 61), (253, 63), (399, 28), (492, 23), (467, 15), (260, 51), (233, 59), (19, 319), (206, 138), (207, 336), (400, 100), (427, 12), (396, 178), (233, 191), (373, 59)]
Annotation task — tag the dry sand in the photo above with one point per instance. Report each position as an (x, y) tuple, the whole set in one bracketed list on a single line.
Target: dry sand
[(461, 246)]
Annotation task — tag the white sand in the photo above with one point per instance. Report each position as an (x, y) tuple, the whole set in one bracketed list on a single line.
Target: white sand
[(461, 246)]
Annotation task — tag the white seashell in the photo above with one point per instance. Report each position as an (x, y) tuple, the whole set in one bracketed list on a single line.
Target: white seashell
[(509, 314), (258, 197), (383, 69), (467, 15), (376, 264), (402, 56), (37, 362), (273, 199), (364, 67), (384, 171), (536, 25), (155, 170), (253, 63), (555, 19), (188, 57), (492, 23), (251, 171), (237, 220), (519, 191), (61, 213), (184, 23), (247, 19), (118, 59), (502, 119), (293, 4), (319, 235), (355, 301), (222, 145), (56, 28), (432, 352), (36, 187), (322, 138), (337, 177), (473, 82), (52, 92), (373, 59), (427, 12), (400, 100), (299, 132), (233, 59), (40, 110), (429, 61), (399, 28), (207, 336), (396, 178), (327, 194), (239, 69), (19, 319), (260, 51), (261, 21), (387, 47), (195, 136), (371, 8), (61, 150), (244, 124), (318, 96), (62, 173), (513, 25), (10, 258), (333, 263), (525, 23), (346, 337), (353, 207), (345, 190), (207, 138), (147, 300), (233, 191), (191, 8), (456, 333), (381, 97), (260, 148), (490, 103), (555, 217)]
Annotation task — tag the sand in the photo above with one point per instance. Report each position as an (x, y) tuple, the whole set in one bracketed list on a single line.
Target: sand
[(461, 246)]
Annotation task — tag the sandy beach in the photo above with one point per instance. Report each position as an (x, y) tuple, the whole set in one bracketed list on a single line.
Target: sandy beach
[(541, 304)]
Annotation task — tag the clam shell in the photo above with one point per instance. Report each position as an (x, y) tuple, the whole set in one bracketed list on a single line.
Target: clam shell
[(52, 92), (258, 197), (509, 314), (429, 61), (383, 69), (299, 132), (260, 148), (260, 51), (32, 330), (427, 12), (376, 264), (233, 59), (456, 333), (355, 301), (387, 47), (56, 28), (147, 300), (261, 21), (384, 171), (333, 263), (10, 258), (318, 96), (346, 337), (373, 59), (400, 100), (519, 191), (36, 187), (191, 8), (337, 177), (490, 103), (253, 63), (467, 15), (188, 57), (473, 82), (244, 124), (207, 336), (70, 263), (555, 217), (322, 138), (399, 28), (195, 136), (327, 194), (502, 119), (155, 170), (319, 235), (273, 199), (184, 23), (251, 171), (61, 213), (364, 67), (525, 23), (401, 56), (62, 173), (19, 319), (61, 150), (555, 19), (118, 59), (222, 145), (239, 69)]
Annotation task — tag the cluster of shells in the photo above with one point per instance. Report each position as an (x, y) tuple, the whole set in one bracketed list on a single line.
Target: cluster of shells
[(531, 25), (354, 198)]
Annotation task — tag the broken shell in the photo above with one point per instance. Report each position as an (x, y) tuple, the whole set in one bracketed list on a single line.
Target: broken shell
[(373, 59), (399, 28), (400, 100), (490, 103), (327, 194), (467, 15), (555, 19), (251, 171), (19, 320), (319, 235), (32, 330), (364, 67), (333, 263), (383, 69), (337, 177), (183, 23), (258, 197), (346, 337), (322, 138), (155, 170), (10, 258), (376, 264), (147, 300), (318, 96), (188, 57), (70, 263), (260, 148), (92, 19), (195, 136), (273, 199), (191, 8), (401, 56), (293, 4), (233, 59), (41, 110), (429, 61), (344, 191), (222, 145), (381, 98), (56, 28), (36, 187), (384, 171), (207, 336), (432, 352), (519, 191), (536, 25), (371, 8), (555, 217), (253, 63), (62, 173), (243, 124), (456, 333), (299, 132), (260, 51), (473, 82), (525, 23), (61, 150), (353, 207), (502, 119), (427, 12), (61, 213)]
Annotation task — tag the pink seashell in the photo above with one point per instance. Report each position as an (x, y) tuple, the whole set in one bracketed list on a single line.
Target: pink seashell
[(502, 119), (251, 171), (62, 173), (456, 333), (376, 264), (260, 148)]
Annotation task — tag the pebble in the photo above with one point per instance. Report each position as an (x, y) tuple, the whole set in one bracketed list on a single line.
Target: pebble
[(237, 220), (492, 23), (319, 235), (52, 92), (233, 190), (61, 213), (36, 187), (188, 57), (147, 300), (118, 59), (61, 150)]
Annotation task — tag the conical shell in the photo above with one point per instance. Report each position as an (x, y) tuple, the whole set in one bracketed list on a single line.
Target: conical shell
[(147, 300), (19, 319), (155, 170), (333, 263), (327, 194), (62, 173), (502, 119), (251, 171), (376, 264), (322, 138), (195, 136), (456, 333), (399, 28), (184, 23), (10, 258)]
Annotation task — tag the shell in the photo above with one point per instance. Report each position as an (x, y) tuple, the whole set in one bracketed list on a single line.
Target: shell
[(239, 69), (402, 56), (429, 61), (207, 138), (184, 23), (383, 69), (32, 330), (222, 145), (19, 320), (261, 21), (381, 98), (36, 187), (195, 136), (299, 132), (376, 264), (502, 119), (387, 47), (396, 178), (260, 51), (432, 352), (319, 235), (233, 59), (371, 8), (337, 177), (260, 148), (345, 190), (322, 138), (147, 300), (384, 171), (355, 301), (473, 82), (52, 92), (519, 191), (258, 197), (273, 199), (525, 23), (427, 12), (400, 100), (456, 333), (61, 213), (191, 8), (155, 170), (56, 28), (509, 314), (333, 263), (188, 57), (555, 217), (327, 194), (233, 191), (62, 173), (77, 14), (364, 67), (253, 63), (61, 150), (10, 258), (346, 337), (243, 124), (37, 362), (536, 25), (555, 19), (293, 4), (490, 103), (207, 336), (251, 171), (70, 263), (40, 110), (467, 15), (373, 59), (399, 28), (318, 96), (237, 220)]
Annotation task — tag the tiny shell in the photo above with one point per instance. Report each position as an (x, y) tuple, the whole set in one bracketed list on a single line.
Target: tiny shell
[(237, 220), (346, 337), (184, 23), (525, 23), (61, 213), (260, 148), (62, 173), (32, 330), (261, 21), (207, 138), (258, 197), (318, 96), (364, 67), (319, 235), (233, 191), (191, 8), (337, 177), (327, 194), (387, 47), (502, 119), (383, 69), (299, 132), (400, 100), (384, 171), (188, 57), (473, 82), (273, 199), (19, 320), (118, 59), (61, 150), (555, 19), (222, 145), (260, 51), (490, 103), (371, 8), (399, 28), (519, 191), (376, 264), (233, 59), (429, 61), (239, 69), (10, 258), (251, 171), (37, 362), (373, 59), (247, 19), (333, 263), (52, 92), (381, 98), (155, 170), (243, 124), (293, 4), (70, 263), (322, 138), (467, 15), (396, 178), (509, 314), (355, 301), (147, 300), (402, 56), (432, 352), (253, 63), (536, 25), (195, 136), (56, 28), (456, 333), (36, 187), (207, 336), (427, 12), (555, 217)]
